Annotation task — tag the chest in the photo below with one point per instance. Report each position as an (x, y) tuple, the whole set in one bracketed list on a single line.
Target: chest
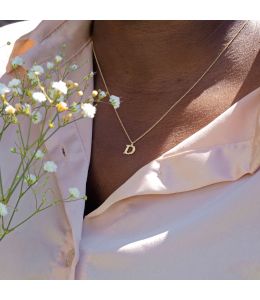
[(110, 167)]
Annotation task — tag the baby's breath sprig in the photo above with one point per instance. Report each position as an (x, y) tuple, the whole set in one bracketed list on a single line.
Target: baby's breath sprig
[(45, 97)]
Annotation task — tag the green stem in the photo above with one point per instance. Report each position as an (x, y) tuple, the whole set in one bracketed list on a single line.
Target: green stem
[(38, 211), (19, 199), (14, 183)]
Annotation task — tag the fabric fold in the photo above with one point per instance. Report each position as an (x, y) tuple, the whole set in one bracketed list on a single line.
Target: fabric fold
[(224, 150)]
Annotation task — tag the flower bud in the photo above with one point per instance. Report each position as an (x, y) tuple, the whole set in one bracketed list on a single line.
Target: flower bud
[(51, 125), (70, 84), (61, 106), (80, 93), (94, 93), (67, 118)]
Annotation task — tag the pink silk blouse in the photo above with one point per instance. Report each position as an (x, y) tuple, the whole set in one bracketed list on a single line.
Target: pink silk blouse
[(192, 213)]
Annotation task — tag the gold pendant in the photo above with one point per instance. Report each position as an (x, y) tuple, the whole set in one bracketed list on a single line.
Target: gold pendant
[(130, 149)]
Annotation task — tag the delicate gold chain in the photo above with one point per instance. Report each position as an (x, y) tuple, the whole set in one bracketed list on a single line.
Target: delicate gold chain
[(132, 150)]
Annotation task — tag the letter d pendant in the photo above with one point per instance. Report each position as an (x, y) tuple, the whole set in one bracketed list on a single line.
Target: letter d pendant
[(130, 149)]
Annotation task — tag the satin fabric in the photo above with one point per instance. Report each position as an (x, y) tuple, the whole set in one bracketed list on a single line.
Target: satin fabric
[(192, 213)]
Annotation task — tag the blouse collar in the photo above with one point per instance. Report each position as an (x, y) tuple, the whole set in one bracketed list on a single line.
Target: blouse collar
[(224, 150), (41, 44)]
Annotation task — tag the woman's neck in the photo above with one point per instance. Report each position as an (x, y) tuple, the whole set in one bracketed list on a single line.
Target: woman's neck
[(146, 55)]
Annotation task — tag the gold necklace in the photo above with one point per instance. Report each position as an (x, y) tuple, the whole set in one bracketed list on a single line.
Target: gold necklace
[(130, 148)]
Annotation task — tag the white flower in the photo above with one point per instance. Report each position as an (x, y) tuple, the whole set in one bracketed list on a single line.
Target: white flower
[(50, 166), (4, 89), (37, 69), (36, 117), (88, 110), (30, 179), (39, 154), (3, 210), (60, 86), (14, 83), (58, 58), (74, 67), (50, 65), (39, 97), (17, 61), (74, 192), (102, 94), (115, 101), (91, 74), (10, 109)]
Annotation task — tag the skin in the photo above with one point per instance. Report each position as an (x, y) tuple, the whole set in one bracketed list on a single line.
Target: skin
[(149, 65)]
